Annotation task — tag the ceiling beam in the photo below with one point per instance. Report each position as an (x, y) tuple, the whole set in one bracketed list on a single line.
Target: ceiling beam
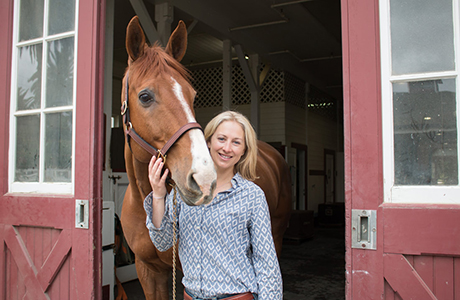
[(305, 59), (254, 86), (164, 16), (191, 26), (258, 25), (289, 3), (146, 21)]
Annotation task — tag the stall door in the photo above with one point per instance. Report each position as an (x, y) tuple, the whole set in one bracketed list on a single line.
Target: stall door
[(50, 203), (401, 149)]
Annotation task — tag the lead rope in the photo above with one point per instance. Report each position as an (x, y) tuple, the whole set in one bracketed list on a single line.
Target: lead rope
[(174, 246)]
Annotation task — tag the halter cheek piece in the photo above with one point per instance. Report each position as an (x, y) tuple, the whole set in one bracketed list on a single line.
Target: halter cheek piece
[(130, 132)]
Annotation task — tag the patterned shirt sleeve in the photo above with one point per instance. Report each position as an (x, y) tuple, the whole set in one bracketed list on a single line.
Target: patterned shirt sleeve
[(161, 237), (265, 260)]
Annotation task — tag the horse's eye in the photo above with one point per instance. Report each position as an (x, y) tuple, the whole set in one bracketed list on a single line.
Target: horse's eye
[(145, 97)]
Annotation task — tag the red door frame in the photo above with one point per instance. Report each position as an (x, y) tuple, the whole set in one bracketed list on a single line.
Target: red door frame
[(362, 140), (417, 255), (6, 35), (17, 209)]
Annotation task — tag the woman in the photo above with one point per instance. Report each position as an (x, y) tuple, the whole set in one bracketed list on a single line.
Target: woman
[(226, 247)]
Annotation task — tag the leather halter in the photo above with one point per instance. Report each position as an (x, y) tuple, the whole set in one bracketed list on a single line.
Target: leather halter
[(130, 132)]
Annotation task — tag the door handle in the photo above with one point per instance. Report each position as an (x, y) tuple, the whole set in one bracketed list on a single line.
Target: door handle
[(81, 214), (364, 229)]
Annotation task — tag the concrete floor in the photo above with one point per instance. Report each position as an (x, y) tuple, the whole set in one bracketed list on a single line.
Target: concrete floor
[(313, 269)]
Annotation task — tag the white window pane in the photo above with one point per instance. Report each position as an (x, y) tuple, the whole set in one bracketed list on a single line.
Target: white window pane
[(61, 16), (58, 147), (27, 148), (59, 79), (31, 19), (425, 133), (421, 36), (29, 77)]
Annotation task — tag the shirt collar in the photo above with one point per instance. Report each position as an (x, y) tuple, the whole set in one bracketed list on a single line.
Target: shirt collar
[(237, 180)]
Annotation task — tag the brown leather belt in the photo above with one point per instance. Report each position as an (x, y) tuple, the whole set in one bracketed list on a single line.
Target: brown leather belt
[(243, 296)]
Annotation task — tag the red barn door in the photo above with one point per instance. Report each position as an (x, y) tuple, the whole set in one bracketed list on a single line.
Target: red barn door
[(401, 108), (50, 145)]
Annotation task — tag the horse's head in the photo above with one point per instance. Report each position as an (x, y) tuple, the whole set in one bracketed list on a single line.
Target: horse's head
[(157, 102)]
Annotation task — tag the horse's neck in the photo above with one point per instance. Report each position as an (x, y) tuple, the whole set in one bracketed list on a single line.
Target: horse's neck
[(138, 176)]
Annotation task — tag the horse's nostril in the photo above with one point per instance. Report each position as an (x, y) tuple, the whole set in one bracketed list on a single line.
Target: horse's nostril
[(192, 184)]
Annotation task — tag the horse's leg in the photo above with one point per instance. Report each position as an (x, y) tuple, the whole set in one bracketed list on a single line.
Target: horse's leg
[(121, 291), (154, 281)]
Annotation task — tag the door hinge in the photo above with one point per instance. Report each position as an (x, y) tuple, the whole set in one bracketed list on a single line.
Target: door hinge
[(81, 213), (364, 229)]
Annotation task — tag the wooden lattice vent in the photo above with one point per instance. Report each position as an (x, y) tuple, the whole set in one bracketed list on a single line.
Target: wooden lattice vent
[(278, 86)]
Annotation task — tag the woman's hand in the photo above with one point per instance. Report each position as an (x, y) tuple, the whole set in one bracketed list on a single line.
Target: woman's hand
[(156, 180)]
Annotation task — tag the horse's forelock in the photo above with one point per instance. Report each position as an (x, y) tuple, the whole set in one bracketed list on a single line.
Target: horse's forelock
[(156, 61)]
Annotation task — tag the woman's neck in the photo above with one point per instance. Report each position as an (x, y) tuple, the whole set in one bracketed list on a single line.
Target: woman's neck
[(224, 175), (224, 180)]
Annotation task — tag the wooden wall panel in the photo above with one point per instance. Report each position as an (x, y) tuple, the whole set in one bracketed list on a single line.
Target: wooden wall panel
[(296, 125), (273, 122), (322, 134), (399, 273), (457, 278), (204, 115), (424, 267), (11, 277), (438, 226), (60, 289), (323, 130), (389, 294), (15, 287), (437, 277), (272, 119), (37, 261), (443, 281)]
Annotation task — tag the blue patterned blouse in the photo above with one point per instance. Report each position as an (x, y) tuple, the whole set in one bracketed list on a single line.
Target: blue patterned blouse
[(225, 247)]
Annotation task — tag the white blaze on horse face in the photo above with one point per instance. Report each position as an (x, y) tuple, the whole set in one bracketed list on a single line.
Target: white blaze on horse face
[(202, 165)]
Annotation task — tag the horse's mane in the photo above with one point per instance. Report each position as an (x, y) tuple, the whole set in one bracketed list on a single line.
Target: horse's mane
[(155, 61)]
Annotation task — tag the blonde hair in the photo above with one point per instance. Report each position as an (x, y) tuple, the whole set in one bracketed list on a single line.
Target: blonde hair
[(246, 166)]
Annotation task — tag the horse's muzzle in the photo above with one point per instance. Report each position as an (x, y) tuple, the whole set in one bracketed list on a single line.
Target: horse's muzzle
[(198, 188)]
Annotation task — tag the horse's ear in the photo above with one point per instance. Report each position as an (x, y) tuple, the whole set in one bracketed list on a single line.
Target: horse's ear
[(135, 39), (177, 44)]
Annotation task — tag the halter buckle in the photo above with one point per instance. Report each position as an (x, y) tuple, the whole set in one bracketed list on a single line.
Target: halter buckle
[(162, 156), (124, 108)]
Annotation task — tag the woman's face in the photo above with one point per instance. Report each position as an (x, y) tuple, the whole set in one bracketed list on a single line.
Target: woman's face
[(227, 145)]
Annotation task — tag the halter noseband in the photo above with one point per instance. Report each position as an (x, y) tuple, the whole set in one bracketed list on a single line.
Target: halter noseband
[(130, 132)]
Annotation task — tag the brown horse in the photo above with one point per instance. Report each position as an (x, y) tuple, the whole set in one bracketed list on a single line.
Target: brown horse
[(275, 180), (157, 108)]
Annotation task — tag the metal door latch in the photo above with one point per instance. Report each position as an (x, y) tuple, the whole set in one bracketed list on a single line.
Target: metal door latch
[(81, 213), (364, 229)]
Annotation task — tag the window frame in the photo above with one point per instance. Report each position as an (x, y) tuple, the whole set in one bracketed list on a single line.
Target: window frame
[(40, 186), (411, 193)]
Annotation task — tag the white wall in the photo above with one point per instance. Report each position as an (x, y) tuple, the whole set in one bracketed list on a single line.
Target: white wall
[(322, 134)]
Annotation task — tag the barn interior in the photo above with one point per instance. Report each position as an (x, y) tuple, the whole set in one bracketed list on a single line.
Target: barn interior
[(278, 62)]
